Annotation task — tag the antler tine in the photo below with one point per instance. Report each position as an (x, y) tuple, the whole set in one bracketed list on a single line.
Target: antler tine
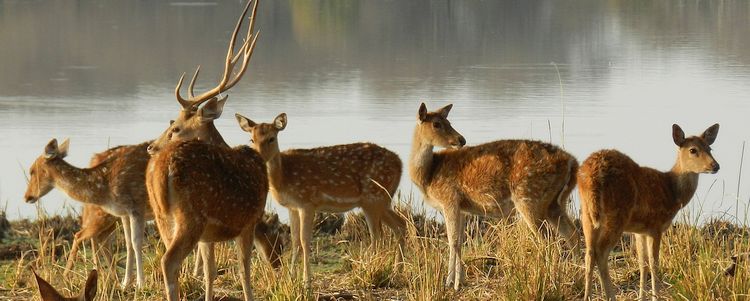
[(192, 82), (248, 51), (184, 103), (229, 63)]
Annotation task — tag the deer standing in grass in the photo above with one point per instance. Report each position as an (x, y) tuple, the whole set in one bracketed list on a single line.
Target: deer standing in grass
[(330, 179), (96, 224), (202, 191), (618, 195), (48, 293), (493, 179), (115, 185)]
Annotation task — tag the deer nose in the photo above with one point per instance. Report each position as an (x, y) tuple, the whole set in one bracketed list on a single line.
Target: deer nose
[(715, 167), (151, 149), (461, 140), (30, 199)]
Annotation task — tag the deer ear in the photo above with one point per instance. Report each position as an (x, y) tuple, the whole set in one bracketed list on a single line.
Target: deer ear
[(280, 122), (51, 150), (212, 109), (246, 124), (422, 113), (445, 110), (678, 135), (46, 291), (89, 292), (63, 149), (710, 134)]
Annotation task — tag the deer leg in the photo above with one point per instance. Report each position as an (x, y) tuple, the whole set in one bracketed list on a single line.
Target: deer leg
[(394, 221), (603, 247), (183, 242), (245, 247), (206, 252), (129, 261), (373, 218), (590, 236), (654, 242), (295, 231), (454, 227), (137, 226), (198, 266), (72, 255), (306, 217), (640, 247)]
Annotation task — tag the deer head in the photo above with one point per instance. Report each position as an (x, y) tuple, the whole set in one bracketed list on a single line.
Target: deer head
[(263, 136), (41, 180), (49, 293), (196, 122), (435, 129), (694, 154)]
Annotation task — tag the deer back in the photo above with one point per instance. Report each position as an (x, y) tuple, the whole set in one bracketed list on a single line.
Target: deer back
[(344, 171), (226, 187)]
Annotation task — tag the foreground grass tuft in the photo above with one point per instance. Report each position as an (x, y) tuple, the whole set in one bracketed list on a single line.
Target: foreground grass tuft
[(504, 261)]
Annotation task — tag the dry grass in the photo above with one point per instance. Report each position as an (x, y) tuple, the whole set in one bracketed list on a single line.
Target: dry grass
[(504, 260)]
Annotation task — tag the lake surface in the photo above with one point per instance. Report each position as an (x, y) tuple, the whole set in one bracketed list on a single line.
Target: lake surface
[(584, 74)]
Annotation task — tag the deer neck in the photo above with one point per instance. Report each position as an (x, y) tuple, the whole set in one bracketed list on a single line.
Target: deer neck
[(275, 167), (684, 184), (87, 185), (420, 162), (214, 137)]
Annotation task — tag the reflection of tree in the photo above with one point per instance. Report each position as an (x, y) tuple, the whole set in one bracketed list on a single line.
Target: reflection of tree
[(495, 47)]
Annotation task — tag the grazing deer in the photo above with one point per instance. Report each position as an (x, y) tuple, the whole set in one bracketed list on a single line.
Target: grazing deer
[(115, 185), (330, 179), (618, 195), (49, 293), (491, 179), (96, 225), (202, 191)]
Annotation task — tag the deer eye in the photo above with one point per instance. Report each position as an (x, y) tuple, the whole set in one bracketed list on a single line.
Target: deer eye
[(693, 151), (271, 140), (437, 125), (175, 130)]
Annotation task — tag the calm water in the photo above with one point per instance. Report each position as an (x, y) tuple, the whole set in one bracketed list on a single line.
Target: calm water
[(102, 74)]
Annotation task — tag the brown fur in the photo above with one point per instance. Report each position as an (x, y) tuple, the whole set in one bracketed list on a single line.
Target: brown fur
[(206, 193), (115, 185), (494, 178), (618, 195), (96, 224), (329, 179), (49, 293)]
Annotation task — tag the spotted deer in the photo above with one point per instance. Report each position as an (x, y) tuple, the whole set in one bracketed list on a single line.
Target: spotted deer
[(115, 185), (96, 224), (202, 191), (48, 293), (618, 195), (329, 179), (493, 179)]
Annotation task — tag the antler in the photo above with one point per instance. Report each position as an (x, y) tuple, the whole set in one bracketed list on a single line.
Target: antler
[(246, 51)]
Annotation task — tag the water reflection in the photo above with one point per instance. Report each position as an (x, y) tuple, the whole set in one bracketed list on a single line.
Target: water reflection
[(102, 72)]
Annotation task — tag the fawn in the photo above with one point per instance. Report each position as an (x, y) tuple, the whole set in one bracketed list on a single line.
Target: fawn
[(330, 179), (494, 179), (49, 293), (618, 195)]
